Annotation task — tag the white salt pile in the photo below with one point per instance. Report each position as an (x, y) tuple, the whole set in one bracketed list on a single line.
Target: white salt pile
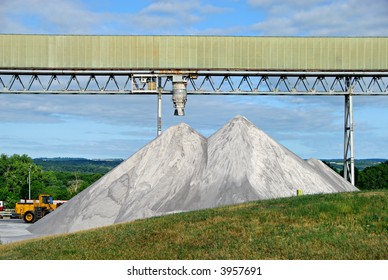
[(181, 170)]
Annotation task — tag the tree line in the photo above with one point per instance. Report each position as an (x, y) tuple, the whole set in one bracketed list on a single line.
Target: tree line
[(14, 173)]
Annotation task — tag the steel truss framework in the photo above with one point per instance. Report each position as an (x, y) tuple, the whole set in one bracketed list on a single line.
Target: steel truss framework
[(348, 84), (198, 82)]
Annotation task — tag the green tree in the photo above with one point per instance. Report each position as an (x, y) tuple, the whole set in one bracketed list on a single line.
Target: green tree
[(13, 176), (374, 177), (14, 172), (61, 185)]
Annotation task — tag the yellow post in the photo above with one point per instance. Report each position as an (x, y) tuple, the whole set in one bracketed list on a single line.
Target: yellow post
[(299, 192)]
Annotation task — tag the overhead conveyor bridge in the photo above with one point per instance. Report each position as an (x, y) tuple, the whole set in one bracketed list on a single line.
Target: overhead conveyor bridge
[(211, 65)]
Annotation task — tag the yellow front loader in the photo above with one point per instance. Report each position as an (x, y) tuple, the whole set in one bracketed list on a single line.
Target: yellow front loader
[(31, 211)]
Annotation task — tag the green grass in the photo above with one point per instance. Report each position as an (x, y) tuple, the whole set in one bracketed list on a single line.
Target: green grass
[(336, 226)]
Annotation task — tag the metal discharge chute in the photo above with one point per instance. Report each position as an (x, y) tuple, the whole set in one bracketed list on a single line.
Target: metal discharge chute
[(179, 95)]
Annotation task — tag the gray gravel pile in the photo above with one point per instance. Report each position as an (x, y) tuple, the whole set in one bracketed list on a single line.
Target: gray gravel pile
[(181, 170)]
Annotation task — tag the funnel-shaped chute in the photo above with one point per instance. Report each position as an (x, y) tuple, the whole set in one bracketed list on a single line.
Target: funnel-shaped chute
[(179, 95)]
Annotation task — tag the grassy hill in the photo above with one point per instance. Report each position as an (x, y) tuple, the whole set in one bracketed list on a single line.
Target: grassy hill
[(336, 226)]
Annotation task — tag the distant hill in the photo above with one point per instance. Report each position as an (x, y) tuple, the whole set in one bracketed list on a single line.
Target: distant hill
[(82, 165), (359, 163)]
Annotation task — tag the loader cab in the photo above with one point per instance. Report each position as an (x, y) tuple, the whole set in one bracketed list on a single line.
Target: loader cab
[(46, 199)]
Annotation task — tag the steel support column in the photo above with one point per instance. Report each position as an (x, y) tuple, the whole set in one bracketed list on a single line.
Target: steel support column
[(159, 124), (349, 141)]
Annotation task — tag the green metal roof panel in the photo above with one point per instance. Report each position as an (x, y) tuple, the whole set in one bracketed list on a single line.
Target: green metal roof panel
[(194, 52)]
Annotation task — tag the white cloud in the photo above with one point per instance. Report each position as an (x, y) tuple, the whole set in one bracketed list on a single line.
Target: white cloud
[(293, 3), (300, 17), (183, 8), (323, 18), (172, 17), (75, 17), (47, 16)]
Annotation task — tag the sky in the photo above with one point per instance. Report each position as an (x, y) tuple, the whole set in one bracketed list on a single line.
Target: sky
[(105, 127)]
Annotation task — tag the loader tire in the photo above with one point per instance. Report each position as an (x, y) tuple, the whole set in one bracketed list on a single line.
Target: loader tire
[(29, 217)]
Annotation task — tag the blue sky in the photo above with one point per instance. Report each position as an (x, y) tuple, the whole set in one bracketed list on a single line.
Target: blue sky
[(117, 126)]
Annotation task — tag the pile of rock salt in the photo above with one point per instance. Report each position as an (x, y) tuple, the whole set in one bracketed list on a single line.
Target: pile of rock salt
[(181, 170)]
